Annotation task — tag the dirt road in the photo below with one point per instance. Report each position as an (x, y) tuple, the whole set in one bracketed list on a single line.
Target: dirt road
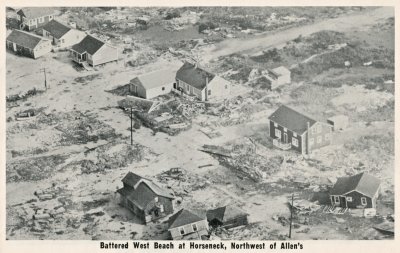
[(257, 43)]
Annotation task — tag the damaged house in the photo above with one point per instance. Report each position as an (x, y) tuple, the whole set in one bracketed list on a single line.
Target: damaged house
[(227, 217), (291, 129), (144, 198), (188, 225), (358, 191), (195, 81)]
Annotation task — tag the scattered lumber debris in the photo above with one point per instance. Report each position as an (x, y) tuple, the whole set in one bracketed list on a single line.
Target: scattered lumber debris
[(216, 150)]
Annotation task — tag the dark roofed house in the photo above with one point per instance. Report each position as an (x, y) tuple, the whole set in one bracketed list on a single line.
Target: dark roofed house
[(93, 51), (144, 198), (358, 191), (195, 81), (31, 18), (228, 216), (62, 35), (188, 225), (27, 44), (291, 129)]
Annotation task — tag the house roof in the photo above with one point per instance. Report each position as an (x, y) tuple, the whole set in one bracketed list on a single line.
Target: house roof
[(24, 39), (281, 71), (35, 12), (185, 216), (133, 179), (363, 183), (56, 29), (194, 76), (225, 213), (291, 119), (89, 44), (156, 78)]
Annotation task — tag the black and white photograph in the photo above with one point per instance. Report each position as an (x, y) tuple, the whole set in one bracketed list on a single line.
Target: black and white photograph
[(207, 123)]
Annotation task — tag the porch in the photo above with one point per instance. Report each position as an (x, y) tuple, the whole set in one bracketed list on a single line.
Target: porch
[(281, 145), (78, 57)]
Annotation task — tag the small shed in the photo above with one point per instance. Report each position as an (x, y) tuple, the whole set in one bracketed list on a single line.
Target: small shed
[(338, 122)]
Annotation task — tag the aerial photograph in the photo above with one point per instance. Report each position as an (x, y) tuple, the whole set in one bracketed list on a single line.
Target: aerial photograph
[(200, 123)]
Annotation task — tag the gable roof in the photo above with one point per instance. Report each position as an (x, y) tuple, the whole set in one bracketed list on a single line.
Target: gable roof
[(291, 119), (185, 216), (363, 183), (24, 39), (225, 213), (89, 44), (134, 180), (194, 76), (56, 29), (156, 78), (35, 12)]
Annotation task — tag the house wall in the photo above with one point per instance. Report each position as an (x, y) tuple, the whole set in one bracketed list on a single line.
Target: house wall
[(34, 23), (190, 90), (356, 200), (42, 48), (157, 91), (139, 91), (319, 135), (238, 221), (290, 135), (202, 229), (105, 54), (71, 38), (219, 88)]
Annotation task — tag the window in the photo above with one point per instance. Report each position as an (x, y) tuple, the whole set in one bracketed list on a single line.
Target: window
[(41, 20), (349, 199), (50, 17), (161, 208), (194, 226), (337, 199), (363, 201), (163, 88), (319, 139), (327, 137), (226, 86), (311, 141), (278, 133), (295, 142), (209, 92), (182, 231), (313, 130), (156, 199)]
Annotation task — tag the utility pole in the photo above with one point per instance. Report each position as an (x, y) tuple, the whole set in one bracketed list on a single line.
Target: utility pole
[(131, 126), (45, 79), (291, 218)]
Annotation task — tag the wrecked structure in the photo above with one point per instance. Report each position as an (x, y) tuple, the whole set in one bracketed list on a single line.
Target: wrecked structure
[(144, 198), (188, 225)]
